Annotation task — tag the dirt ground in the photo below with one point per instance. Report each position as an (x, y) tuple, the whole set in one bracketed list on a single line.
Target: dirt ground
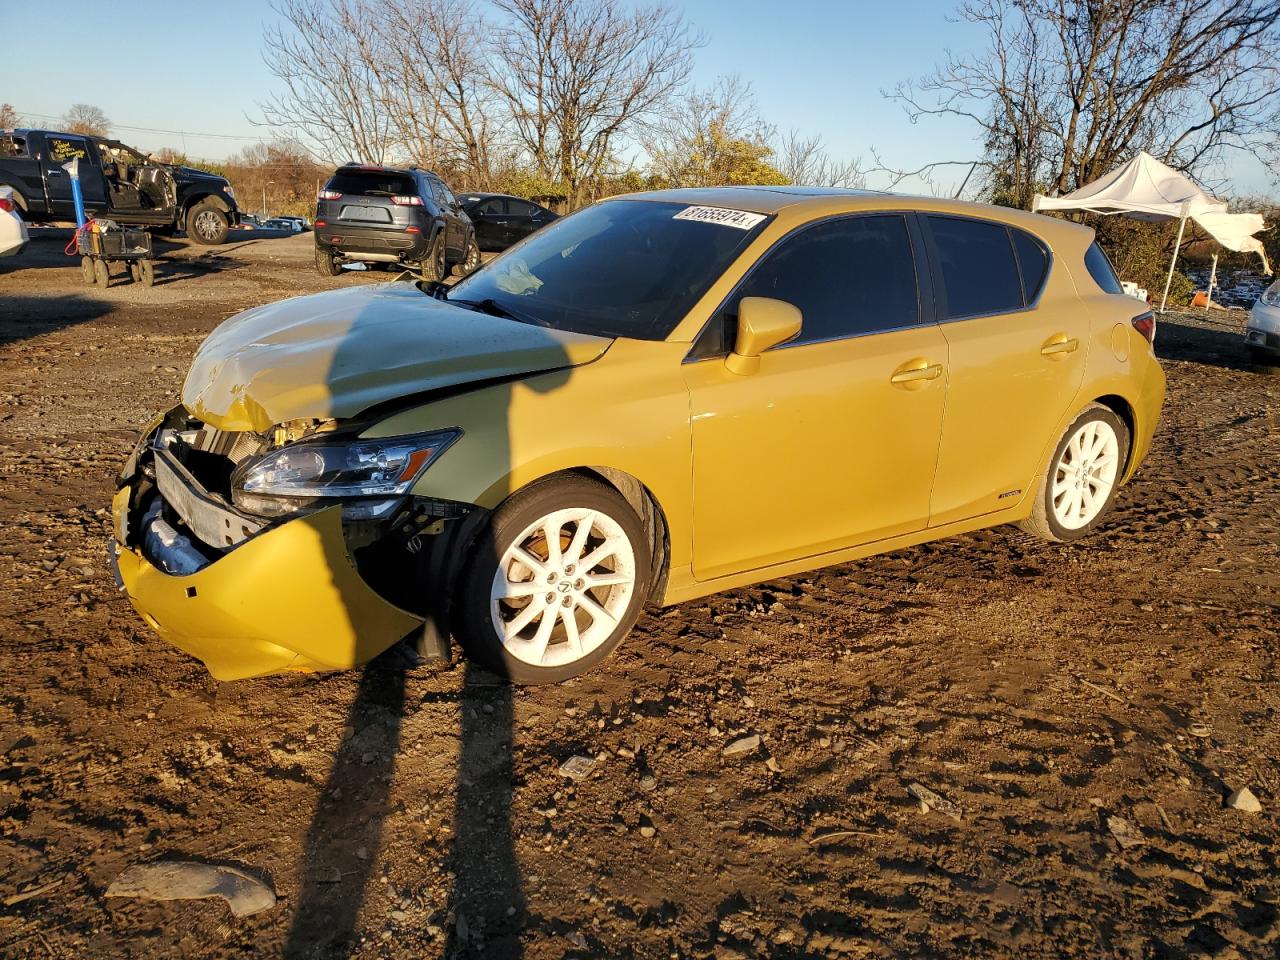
[(1042, 690)]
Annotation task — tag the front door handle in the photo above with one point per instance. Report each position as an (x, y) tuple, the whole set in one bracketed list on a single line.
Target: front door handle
[(1058, 344), (914, 372)]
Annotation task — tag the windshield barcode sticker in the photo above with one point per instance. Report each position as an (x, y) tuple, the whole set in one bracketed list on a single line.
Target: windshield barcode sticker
[(742, 219)]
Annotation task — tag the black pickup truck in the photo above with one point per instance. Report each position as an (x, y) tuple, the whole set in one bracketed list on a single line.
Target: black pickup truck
[(116, 181)]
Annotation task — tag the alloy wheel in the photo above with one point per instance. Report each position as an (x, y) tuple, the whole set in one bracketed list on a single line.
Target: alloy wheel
[(562, 587), (1085, 474), (208, 224)]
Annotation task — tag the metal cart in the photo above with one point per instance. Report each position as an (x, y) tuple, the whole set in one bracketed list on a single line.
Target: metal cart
[(103, 242)]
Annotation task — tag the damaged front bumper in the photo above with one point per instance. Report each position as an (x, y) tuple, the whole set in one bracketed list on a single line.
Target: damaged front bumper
[(285, 595)]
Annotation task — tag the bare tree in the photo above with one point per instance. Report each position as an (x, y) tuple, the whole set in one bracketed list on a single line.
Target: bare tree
[(86, 119), (712, 136), (1067, 89), (805, 160), (579, 75), (435, 81), (9, 117), (326, 54)]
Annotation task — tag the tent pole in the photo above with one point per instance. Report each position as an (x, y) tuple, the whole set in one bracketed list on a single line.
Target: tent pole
[(1182, 224), (1213, 276)]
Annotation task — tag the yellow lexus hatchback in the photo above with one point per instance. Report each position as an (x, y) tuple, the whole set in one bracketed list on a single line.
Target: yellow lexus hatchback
[(662, 396)]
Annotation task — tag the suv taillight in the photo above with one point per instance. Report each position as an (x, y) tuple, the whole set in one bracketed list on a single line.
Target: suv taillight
[(1145, 324), (407, 201), (328, 195), (6, 205)]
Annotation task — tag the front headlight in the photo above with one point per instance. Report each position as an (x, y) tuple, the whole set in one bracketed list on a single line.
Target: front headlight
[(1271, 295), (314, 469)]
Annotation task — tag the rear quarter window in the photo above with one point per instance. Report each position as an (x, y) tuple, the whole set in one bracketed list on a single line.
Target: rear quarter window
[(1099, 267), (1033, 263)]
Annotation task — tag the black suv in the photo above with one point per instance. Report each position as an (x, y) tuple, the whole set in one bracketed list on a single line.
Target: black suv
[(370, 214)]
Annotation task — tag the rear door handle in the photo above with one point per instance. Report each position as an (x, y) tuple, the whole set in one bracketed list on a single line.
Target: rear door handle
[(916, 371), (1058, 344)]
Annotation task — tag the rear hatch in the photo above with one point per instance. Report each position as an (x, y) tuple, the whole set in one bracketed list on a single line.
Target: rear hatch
[(370, 198)]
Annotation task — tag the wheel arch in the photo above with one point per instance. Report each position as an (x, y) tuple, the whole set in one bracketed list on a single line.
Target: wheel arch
[(1123, 409), (192, 199), (642, 501)]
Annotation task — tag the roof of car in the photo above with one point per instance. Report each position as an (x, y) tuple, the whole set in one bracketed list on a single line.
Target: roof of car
[(805, 202)]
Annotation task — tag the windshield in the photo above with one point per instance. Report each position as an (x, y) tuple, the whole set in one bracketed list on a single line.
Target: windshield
[(622, 268)]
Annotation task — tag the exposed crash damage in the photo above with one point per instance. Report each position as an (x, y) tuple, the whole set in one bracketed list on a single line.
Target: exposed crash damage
[(304, 546), (303, 583)]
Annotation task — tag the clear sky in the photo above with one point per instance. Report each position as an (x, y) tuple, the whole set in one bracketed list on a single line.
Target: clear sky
[(818, 66)]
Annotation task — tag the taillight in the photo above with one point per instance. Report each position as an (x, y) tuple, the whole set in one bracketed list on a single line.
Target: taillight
[(407, 201), (412, 230), (329, 195), (1145, 324), (319, 223), (6, 205)]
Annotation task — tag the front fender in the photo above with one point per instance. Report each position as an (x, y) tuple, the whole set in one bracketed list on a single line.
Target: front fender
[(628, 411)]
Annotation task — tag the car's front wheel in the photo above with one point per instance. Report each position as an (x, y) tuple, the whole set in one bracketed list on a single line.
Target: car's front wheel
[(207, 224), (1080, 486), (556, 581), (471, 259)]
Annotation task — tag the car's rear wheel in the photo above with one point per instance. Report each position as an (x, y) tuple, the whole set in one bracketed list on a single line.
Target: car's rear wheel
[(434, 265), (207, 224), (1080, 486), (556, 582), (326, 263)]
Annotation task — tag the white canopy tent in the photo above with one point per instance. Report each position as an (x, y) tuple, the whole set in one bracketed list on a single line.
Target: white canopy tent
[(1146, 189)]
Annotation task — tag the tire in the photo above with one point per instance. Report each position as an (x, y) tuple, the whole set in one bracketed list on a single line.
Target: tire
[(601, 616), (1264, 362), (207, 224), (87, 270), (470, 260), (147, 272), (135, 271), (435, 266), (101, 275), (326, 265), (1097, 443)]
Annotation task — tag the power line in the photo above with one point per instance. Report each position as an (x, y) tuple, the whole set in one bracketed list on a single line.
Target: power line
[(176, 133)]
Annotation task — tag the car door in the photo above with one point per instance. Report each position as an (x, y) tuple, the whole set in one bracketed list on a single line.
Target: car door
[(1016, 337), (60, 149), (521, 218), (834, 440), (490, 220), (455, 221)]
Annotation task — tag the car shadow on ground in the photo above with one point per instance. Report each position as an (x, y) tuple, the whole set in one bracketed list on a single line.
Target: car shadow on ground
[(24, 317), (1209, 341)]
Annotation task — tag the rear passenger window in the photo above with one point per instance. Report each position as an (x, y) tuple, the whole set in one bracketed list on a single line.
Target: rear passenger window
[(978, 266), (1104, 275), (848, 277), (1033, 262)]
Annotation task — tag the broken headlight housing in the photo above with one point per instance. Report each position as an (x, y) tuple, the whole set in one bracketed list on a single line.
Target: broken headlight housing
[(373, 473)]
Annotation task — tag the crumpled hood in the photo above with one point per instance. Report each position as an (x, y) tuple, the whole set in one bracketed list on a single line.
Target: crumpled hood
[(336, 354)]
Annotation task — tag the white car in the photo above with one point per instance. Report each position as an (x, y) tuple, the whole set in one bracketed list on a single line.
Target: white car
[(13, 230), (1263, 331)]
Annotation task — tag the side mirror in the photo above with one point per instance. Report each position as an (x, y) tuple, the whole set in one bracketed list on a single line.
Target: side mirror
[(762, 323)]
